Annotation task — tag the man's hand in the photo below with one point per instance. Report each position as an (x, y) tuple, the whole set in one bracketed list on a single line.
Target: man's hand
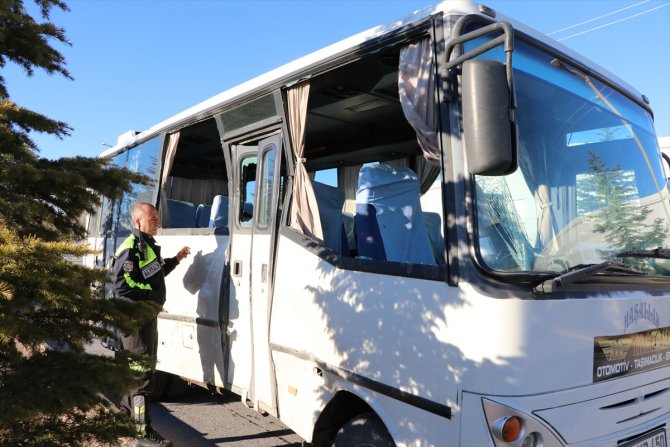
[(181, 254)]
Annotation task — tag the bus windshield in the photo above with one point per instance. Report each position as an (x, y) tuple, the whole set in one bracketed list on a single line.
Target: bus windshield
[(590, 184)]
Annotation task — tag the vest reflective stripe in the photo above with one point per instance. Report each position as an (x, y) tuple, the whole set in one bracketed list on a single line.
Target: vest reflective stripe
[(139, 415), (136, 366), (151, 256), (132, 283), (128, 245)]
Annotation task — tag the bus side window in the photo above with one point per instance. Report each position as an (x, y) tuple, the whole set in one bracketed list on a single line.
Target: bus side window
[(330, 200), (361, 207), (389, 221), (142, 158), (194, 188), (245, 212), (355, 122)]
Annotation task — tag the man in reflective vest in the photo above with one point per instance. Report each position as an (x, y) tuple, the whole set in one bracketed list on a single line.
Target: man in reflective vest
[(139, 274)]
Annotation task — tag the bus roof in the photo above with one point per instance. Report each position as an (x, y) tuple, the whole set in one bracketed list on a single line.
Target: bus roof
[(292, 71)]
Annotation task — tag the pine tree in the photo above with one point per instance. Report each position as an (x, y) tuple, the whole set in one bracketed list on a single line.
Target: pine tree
[(623, 223), (50, 306)]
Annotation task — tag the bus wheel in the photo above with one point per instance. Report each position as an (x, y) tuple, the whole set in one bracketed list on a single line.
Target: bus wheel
[(364, 430)]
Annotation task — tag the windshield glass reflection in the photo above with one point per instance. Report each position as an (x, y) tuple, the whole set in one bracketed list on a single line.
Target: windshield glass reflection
[(590, 184)]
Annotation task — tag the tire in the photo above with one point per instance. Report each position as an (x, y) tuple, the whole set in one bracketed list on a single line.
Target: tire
[(364, 430)]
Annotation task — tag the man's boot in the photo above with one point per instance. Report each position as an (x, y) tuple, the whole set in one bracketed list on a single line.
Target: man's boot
[(146, 436), (151, 439)]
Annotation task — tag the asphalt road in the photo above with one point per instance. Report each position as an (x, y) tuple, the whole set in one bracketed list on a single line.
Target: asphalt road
[(201, 419)]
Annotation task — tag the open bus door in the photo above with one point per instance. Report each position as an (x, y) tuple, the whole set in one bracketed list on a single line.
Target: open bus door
[(257, 179)]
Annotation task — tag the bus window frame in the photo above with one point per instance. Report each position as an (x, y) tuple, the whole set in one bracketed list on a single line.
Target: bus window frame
[(261, 198), (431, 27)]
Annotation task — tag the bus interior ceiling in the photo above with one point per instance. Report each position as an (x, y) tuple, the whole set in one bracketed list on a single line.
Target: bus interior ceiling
[(355, 117), (199, 154)]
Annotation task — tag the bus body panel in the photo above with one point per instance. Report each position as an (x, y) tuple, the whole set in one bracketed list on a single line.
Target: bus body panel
[(515, 344), (597, 415), (360, 323), (239, 325), (190, 338), (267, 186)]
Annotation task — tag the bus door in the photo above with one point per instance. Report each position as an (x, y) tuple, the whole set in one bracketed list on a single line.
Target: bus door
[(267, 190), (251, 255), (241, 220)]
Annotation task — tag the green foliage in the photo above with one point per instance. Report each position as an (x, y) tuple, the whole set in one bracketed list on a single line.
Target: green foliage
[(26, 42), (65, 188), (50, 305), (624, 224)]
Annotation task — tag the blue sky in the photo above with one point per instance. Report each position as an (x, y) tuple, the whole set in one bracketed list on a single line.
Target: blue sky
[(136, 63)]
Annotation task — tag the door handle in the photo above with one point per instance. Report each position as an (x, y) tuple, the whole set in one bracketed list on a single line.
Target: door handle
[(237, 268)]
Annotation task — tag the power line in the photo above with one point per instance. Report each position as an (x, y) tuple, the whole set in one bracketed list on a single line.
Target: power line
[(612, 23), (597, 18)]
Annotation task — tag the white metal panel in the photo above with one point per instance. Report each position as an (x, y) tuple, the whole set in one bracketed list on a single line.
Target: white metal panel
[(263, 372), (239, 327), (186, 348), (433, 340), (515, 346), (301, 393), (382, 327), (593, 415)]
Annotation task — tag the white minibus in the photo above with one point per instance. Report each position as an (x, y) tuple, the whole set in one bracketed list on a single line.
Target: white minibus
[(449, 230)]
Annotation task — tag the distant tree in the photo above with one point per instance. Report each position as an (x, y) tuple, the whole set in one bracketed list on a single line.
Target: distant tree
[(50, 388), (624, 223)]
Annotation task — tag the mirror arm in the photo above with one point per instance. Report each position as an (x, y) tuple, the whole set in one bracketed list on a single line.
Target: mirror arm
[(506, 39)]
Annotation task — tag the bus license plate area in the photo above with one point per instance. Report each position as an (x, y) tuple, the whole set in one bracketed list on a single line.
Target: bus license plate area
[(654, 439)]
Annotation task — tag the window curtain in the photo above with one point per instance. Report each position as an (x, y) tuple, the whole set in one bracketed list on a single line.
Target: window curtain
[(347, 179), (416, 88), (304, 209), (536, 180), (170, 153), (196, 190)]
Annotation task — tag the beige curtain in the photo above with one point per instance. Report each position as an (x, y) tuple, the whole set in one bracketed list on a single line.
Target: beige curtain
[(170, 153), (196, 190), (535, 175), (544, 225), (304, 209), (416, 87), (347, 179)]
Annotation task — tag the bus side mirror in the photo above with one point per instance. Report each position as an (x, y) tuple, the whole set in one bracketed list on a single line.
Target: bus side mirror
[(489, 133)]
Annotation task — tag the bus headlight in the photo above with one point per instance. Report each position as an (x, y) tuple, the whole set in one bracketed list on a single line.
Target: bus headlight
[(512, 428), (508, 428)]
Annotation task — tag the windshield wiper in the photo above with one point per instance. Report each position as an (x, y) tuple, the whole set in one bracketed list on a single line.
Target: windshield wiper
[(657, 253), (582, 271)]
